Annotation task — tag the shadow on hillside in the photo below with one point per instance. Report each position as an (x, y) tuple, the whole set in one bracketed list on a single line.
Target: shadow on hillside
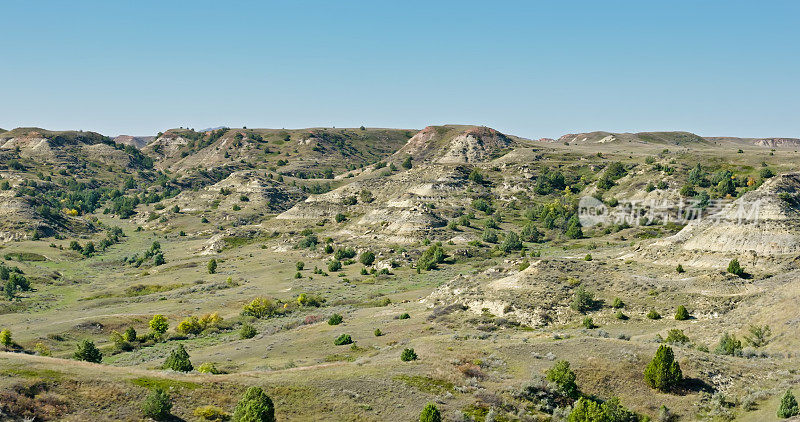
[(693, 386)]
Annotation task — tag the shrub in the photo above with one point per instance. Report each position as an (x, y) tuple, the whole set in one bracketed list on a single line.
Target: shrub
[(378, 332), (159, 324), (431, 258), (5, 338), (343, 339), (247, 331), (408, 355), (788, 407), (407, 163), (190, 325), (335, 319), (212, 266), (588, 410), (729, 345), (589, 323), (300, 265), (129, 334), (588, 257), (404, 315), (620, 315), (367, 258), (682, 314), (208, 368), (157, 405), (653, 315), (489, 236), (334, 265), (759, 335), (88, 352), (679, 269), (618, 303), (178, 360), (735, 269), (677, 336), (663, 372), (561, 375), (211, 413), (340, 217), (511, 242), (430, 414), (582, 300), (255, 406), (260, 307)]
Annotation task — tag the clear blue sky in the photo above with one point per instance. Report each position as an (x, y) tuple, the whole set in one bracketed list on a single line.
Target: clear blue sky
[(528, 68)]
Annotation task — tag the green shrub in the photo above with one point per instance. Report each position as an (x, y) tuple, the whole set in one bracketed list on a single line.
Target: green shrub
[(367, 258), (677, 336), (430, 414), (260, 307), (788, 407), (159, 324), (679, 269), (489, 236), (5, 338), (208, 368), (735, 269), (682, 314), (88, 352), (300, 265), (759, 335), (334, 265), (255, 406), (588, 257), (620, 315), (431, 258), (211, 413), (653, 315), (561, 375), (212, 266), (335, 319), (663, 372), (618, 303), (378, 332), (588, 323), (178, 360), (404, 315), (408, 355), (729, 345), (157, 405), (343, 339), (588, 410), (340, 217), (511, 242), (582, 300), (247, 331)]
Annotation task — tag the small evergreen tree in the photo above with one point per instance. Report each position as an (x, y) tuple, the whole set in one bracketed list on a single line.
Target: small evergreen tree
[(343, 339), (679, 269), (130, 334), (564, 378), (178, 360), (157, 405), (663, 373), (681, 314), (408, 355), (583, 300), (735, 269), (430, 414), (335, 319), (254, 406), (788, 407), (247, 331), (212, 266), (88, 352)]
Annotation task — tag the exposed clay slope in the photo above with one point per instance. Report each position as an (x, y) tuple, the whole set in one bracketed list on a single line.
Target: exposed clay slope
[(455, 145), (761, 227)]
